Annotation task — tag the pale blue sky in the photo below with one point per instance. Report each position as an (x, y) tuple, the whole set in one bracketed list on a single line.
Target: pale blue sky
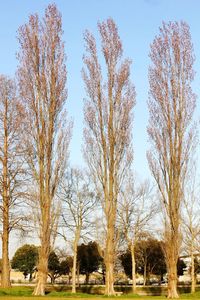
[(138, 22)]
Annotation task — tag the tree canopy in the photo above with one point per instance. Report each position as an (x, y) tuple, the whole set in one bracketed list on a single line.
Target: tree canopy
[(25, 260), (89, 259)]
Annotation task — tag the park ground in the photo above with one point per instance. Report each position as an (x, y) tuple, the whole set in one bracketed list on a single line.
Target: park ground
[(15, 293)]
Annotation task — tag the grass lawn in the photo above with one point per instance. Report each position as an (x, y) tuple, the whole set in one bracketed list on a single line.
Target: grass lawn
[(94, 298), (15, 293)]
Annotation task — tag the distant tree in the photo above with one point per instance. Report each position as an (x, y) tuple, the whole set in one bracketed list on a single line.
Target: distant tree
[(195, 269), (196, 266), (66, 266), (25, 260), (89, 259), (135, 211), (149, 259), (181, 265), (157, 259), (78, 202), (53, 266), (126, 261), (57, 267)]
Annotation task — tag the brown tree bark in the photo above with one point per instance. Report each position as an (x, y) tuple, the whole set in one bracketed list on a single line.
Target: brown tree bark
[(5, 274), (145, 272), (172, 278), (193, 276), (78, 274), (42, 266), (74, 268), (109, 258), (133, 268), (74, 272), (5, 277)]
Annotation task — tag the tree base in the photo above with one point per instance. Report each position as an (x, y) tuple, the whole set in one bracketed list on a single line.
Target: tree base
[(5, 285), (39, 289)]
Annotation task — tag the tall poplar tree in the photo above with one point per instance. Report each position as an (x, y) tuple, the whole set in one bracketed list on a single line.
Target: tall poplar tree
[(108, 125), (171, 106), (42, 82)]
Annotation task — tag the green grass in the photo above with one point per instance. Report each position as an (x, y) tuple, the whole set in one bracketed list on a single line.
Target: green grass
[(70, 295), (15, 293), (99, 298)]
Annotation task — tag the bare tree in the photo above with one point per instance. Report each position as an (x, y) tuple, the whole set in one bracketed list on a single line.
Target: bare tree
[(42, 81), (78, 204), (108, 120), (135, 211), (171, 106), (11, 168)]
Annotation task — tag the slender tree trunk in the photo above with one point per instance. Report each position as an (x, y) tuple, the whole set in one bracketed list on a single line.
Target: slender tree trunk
[(87, 277), (109, 259), (5, 278), (111, 211), (74, 271), (172, 252), (193, 279), (148, 276), (161, 278), (145, 274), (133, 268), (78, 274), (52, 278), (75, 247), (104, 277)]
